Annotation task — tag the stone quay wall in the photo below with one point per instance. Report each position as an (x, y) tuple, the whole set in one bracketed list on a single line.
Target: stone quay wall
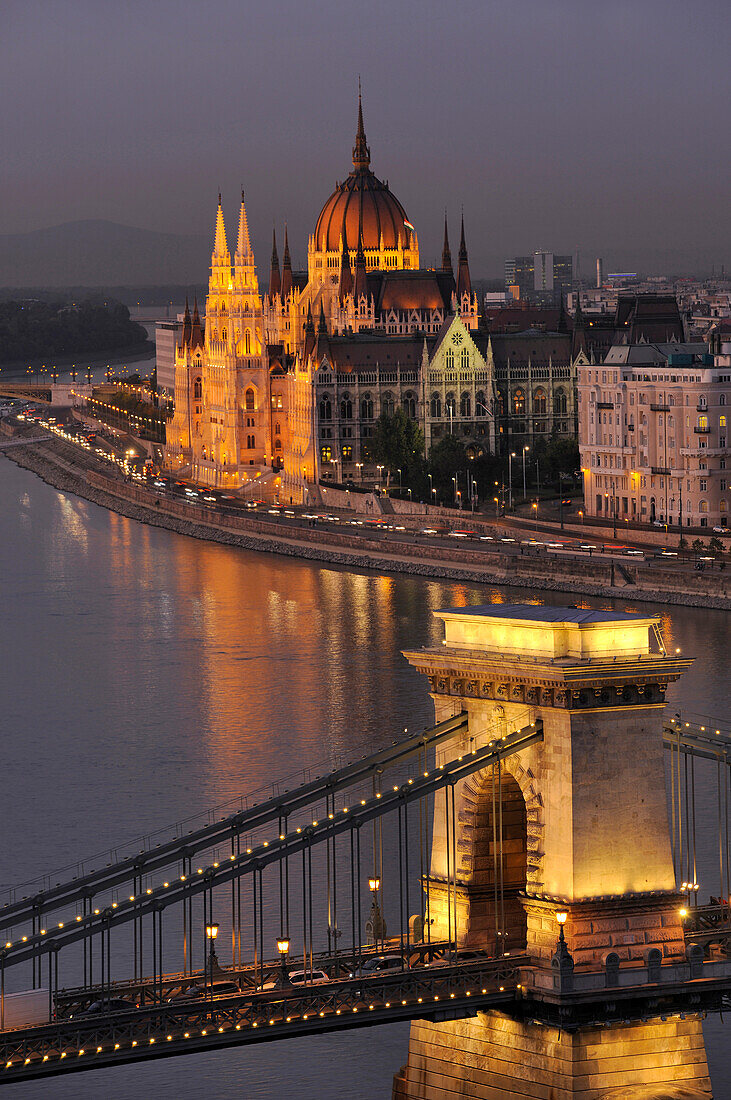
[(56, 463)]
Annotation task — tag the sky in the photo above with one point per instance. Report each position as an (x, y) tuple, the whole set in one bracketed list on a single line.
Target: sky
[(569, 125)]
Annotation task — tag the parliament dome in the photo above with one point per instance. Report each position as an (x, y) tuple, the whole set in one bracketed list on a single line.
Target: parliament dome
[(362, 200)]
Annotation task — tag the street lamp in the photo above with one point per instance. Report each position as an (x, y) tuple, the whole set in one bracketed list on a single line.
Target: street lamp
[(359, 468), (283, 949), (561, 917), (375, 925), (535, 512), (434, 494), (497, 506), (399, 479), (211, 933), (511, 456), (525, 448), (454, 482)]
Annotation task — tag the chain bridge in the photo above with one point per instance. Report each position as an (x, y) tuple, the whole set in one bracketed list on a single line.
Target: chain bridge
[(520, 881)]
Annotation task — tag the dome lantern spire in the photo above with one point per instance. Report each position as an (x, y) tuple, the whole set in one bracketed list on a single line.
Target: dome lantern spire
[(446, 254), (361, 152)]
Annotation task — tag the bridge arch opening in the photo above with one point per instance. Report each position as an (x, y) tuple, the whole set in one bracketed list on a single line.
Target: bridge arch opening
[(492, 861)]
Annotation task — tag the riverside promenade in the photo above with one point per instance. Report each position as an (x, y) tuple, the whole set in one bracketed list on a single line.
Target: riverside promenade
[(70, 469)]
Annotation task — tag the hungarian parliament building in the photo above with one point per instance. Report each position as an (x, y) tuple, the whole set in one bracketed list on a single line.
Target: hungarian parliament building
[(286, 386)]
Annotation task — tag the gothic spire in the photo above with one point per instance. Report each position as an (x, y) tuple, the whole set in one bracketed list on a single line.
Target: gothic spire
[(220, 247), (464, 283), (286, 268), (346, 275), (360, 288), (309, 323), (243, 248), (446, 254), (186, 323), (275, 281), (361, 152), (322, 325)]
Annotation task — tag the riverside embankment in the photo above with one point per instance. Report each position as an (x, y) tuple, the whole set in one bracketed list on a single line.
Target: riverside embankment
[(65, 467)]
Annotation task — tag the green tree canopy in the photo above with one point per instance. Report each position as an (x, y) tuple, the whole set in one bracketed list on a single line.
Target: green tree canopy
[(397, 443)]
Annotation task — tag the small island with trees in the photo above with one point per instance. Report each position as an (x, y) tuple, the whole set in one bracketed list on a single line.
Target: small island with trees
[(32, 329)]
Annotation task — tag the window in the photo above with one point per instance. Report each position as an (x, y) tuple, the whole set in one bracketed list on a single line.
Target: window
[(702, 402), (249, 399), (387, 405), (464, 359), (449, 359), (703, 485), (346, 407), (198, 390), (560, 404), (722, 399), (250, 442), (436, 406), (450, 405), (480, 404), (277, 444), (276, 401), (722, 421), (410, 405), (326, 409), (326, 454), (465, 405), (703, 423), (347, 454), (277, 429), (703, 507), (539, 402), (224, 335), (366, 407), (519, 403)]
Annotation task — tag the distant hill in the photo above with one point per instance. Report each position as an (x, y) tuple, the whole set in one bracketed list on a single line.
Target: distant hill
[(100, 253)]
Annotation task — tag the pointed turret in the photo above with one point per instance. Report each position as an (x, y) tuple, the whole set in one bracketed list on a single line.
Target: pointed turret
[(286, 269), (464, 283), (186, 324), (361, 152), (309, 332), (243, 247), (196, 328), (275, 281), (220, 247), (346, 275), (322, 324), (446, 254)]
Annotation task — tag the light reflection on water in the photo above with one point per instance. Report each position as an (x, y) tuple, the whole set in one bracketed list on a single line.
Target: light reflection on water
[(147, 676)]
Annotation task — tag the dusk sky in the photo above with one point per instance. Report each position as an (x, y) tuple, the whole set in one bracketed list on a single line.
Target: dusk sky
[(559, 124)]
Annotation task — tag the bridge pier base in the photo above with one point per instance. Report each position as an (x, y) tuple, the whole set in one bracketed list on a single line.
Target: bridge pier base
[(495, 1057)]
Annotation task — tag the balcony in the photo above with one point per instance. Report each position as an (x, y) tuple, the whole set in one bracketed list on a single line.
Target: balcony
[(605, 404), (701, 408), (660, 470), (659, 408), (702, 431)]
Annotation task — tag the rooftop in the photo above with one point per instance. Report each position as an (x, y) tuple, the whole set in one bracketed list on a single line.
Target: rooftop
[(537, 613)]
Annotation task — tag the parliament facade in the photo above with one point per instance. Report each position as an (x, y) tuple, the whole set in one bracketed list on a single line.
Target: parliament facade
[(278, 388)]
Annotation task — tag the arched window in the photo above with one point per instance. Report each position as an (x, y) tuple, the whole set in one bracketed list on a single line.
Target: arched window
[(450, 405), (519, 402), (410, 405), (326, 409), (560, 404), (224, 335), (480, 404), (250, 442), (278, 429), (198, 390), (465, 405), (436, 406), (703, 423), (703, 506), (464, 359), (722, 421), (722, 399), (346, 407), (247, 342), (702, 402), (366, 407), (277, 444), (387, 405), (449, 359), (539, 402), (249, 397)]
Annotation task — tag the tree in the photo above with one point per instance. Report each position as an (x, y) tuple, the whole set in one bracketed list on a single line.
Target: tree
[(698, 546), (447, 458), (716, 545), (397, 443)]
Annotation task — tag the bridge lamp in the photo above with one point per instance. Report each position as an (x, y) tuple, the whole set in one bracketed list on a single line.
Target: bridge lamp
[(211, 933), (683, 913), (374, 885)]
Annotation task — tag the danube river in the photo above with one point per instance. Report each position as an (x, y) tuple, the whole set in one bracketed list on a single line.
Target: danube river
[(146, 676)]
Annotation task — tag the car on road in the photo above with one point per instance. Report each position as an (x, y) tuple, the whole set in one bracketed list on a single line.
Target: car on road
[(308, 977), (721, 531), (111, 1004), (212, 989), (378, 964)]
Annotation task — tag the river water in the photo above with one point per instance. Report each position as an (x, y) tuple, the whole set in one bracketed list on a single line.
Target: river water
[(146, 676)]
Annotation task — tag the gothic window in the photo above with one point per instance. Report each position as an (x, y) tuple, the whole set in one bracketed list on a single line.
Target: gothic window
[(410, 405), (539, 402), (464, 359), (198, 390), (346, 407), (450, 405), (722, 399), (224, 335), (519, 402), (465, 405), (326, 453), (480, 404), (702, 401), (347, 453), (449, 359), (277, 444), (387, 404), (436, 406), (249, 399), (247, 342), (276, 401), (560, 405), (277, 429), (326, 409), (366, 407), (703, 506), (250, 442), (722, 421), (703, 422)]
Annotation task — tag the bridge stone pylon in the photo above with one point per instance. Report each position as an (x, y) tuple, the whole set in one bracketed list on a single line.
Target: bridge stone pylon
[(575, 824)]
